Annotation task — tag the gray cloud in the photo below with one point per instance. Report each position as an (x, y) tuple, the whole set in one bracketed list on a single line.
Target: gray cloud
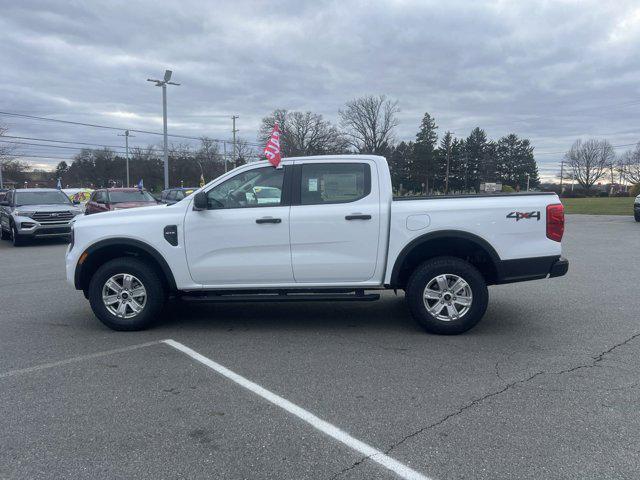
[(551, 71)]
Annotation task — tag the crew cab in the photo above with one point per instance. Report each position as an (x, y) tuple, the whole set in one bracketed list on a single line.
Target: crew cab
[(335, 233), (30, 213)]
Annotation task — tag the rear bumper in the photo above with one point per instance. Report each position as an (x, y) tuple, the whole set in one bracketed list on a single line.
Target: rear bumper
[(559, 268), (535, 268)]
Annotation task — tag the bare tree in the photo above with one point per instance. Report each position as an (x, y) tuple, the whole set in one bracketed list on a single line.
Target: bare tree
[(244, 152), (629, 165), (303, 133), (369, 122), (6, 154), (590, 160)]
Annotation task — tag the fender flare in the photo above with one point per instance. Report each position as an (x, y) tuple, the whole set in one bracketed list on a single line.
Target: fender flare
[(416, 242), (157, 256)]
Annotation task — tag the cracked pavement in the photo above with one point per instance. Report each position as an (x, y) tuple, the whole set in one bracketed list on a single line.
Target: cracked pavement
[(548, 385)]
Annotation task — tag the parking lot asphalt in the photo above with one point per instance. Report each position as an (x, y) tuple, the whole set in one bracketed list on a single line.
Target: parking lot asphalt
[(546, 386)]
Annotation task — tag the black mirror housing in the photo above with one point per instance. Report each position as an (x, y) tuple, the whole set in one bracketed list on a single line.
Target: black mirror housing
[(200, 201)]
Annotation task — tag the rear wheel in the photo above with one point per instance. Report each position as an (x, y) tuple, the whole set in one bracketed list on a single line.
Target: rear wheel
[(126, 294), (636, 215), (4, 234), (447, 295)]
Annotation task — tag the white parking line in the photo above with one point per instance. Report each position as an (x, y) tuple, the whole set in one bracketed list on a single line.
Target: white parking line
[(79, 358), (373, 454)]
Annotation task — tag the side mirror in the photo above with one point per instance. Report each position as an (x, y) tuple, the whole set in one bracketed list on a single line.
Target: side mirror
[(76, 202), (200, 201)]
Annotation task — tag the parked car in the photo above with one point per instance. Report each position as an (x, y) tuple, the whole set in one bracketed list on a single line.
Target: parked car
[(36, 213), (174, 195), (108, 199), (636, 208), (335, 233)]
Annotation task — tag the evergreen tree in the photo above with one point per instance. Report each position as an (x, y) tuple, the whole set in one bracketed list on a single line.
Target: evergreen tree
[(443, 163), (400, 161), (479, 164), (425, 152), (515, 162)]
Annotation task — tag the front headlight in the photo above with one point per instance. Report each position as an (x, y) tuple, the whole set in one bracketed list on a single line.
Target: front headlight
[(23, 213)]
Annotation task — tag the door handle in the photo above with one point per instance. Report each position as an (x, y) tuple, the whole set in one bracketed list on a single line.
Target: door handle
[(358, 216), (268, 220)]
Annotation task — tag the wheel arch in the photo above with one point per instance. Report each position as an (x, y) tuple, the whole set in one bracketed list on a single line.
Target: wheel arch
[(456, 243), (103, 251)]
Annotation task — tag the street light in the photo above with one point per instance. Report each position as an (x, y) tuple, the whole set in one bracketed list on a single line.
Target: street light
[(126, 144), (163, 83)]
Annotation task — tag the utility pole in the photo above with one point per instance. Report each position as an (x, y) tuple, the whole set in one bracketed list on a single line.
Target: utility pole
[(561, 174), (528, 177), (446, 178), (163, 83), (126, 145), (233, 118), (224, 154)]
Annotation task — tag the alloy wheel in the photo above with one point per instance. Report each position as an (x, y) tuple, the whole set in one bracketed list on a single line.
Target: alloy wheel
[(124, 295), (448, 297)]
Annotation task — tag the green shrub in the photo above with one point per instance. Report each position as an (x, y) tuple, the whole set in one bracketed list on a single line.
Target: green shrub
[(507, 189), (634, 191)]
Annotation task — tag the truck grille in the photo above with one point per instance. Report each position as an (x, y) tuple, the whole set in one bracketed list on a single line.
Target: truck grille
[(52, 217)]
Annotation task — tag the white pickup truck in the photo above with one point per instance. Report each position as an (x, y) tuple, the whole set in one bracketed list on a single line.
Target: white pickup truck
[(329, 230)]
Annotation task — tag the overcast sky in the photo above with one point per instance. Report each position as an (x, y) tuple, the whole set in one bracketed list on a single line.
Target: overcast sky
[(550, 71)]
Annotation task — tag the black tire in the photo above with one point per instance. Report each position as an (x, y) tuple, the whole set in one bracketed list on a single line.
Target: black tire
[(425, 274), (155, 294), (636, 216), (4, 234), (16, 238)]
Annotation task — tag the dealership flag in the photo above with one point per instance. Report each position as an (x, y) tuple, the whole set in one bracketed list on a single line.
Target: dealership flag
[(272, 150), (140, 185), (201, 180), (59, 185)]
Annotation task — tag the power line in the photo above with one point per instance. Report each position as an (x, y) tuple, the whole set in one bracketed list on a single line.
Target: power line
[(561, 153), (61, 141), (49, 146), (108, 127)]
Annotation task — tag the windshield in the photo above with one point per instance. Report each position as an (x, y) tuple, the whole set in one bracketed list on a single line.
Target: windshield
[(124, 197), (41, 198)]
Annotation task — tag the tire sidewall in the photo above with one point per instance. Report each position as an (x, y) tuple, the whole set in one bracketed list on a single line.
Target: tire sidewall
[(16, 239), (152, 284), (447, 265)]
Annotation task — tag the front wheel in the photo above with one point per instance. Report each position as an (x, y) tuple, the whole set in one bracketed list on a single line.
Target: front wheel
[(447, 295), (16, 238), (636, 215), (126, 294)]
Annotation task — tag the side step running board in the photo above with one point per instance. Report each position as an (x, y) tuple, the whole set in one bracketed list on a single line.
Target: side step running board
[(282, 297)]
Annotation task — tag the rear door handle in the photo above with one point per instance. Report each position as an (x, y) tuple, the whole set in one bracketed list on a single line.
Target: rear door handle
[(268, 220), (358, 216)]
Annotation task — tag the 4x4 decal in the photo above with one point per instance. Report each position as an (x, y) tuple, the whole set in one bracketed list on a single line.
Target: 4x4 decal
[(524, 215)]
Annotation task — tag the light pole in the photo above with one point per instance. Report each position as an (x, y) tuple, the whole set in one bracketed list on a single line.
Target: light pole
[(163, 83), (234, 131), (126, 144)]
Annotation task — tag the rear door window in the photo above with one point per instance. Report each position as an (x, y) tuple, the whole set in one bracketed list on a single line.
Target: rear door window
[(334, 182)]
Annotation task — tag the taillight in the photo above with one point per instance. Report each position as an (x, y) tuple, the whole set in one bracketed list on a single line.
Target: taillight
[(555, 222)]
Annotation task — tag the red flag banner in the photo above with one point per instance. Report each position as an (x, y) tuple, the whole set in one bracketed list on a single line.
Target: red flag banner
[(272, 150)]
